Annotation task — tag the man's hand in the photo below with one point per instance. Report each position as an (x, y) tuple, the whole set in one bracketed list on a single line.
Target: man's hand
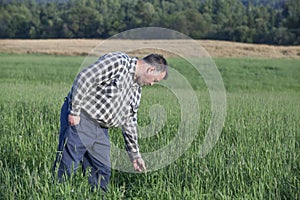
[(139, 165), (73, 120)]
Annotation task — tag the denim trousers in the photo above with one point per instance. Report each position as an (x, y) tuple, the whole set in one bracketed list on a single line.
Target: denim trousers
[(87, 144)]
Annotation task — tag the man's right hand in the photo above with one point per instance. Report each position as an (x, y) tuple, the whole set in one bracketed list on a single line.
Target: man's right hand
[(139, 165), (73, 120)]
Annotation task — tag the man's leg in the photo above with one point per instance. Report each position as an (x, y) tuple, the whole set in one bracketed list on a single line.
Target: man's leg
[(72, 153), (99, 175), (98, 154), (70, 148)]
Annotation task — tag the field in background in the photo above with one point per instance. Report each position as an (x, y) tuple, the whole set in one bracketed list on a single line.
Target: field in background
[(256, 157), (84, 47)]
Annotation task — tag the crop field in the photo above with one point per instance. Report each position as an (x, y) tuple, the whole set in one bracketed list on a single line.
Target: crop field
[(256, 156)]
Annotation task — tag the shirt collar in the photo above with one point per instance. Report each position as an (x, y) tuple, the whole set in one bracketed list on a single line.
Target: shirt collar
[(132, 68)]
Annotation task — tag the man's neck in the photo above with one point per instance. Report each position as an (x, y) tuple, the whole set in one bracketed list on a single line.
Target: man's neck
[(138, 69)]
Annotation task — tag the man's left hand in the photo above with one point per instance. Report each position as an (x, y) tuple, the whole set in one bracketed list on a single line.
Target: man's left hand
[(139, 165)]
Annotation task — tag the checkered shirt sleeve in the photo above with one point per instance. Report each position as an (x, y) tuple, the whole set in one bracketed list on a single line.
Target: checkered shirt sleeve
[(129, 129)]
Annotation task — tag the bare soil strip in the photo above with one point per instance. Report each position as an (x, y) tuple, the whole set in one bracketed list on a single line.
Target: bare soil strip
[(86, 46)]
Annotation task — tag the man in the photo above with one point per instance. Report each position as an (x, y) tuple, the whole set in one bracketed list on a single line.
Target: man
[(105, 94)]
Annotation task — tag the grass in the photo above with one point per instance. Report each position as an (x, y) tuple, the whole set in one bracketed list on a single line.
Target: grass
[(259, 74), (256, 156)]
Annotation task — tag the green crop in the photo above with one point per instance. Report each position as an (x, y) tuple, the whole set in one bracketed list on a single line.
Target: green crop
[(256, 156)]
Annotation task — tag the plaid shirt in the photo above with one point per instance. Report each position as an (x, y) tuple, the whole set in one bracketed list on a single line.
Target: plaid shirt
[(107, 92)]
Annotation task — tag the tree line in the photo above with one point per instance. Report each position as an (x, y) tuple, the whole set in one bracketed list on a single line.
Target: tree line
[(231, 20)]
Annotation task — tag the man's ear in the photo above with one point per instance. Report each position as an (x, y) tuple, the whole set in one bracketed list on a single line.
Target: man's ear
[(150, 70)]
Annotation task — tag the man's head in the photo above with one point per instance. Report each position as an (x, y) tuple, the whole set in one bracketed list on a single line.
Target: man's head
[(152, 68)]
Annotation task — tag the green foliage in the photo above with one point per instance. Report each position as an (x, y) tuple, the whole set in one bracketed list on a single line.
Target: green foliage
[(275, 22), (256, 157)]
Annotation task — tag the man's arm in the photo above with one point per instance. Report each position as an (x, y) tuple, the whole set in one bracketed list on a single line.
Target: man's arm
[(129, 131)]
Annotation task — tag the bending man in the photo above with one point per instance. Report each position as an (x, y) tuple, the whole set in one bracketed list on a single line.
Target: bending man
[(105, 94)]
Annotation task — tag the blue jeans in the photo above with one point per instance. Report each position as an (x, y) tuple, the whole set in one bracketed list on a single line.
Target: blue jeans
[(86, 143)]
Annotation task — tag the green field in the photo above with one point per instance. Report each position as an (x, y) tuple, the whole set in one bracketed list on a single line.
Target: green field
[(256, 156)]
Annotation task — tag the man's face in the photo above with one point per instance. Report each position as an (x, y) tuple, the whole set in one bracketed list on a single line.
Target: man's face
[(150, 76)]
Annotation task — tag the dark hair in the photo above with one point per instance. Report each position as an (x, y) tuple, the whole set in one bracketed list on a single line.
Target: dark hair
[(158, 61)]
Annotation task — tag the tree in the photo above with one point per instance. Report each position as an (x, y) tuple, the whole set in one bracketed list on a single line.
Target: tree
[(292, 20), (82, 22), (258, 21), (190, 22), (16, 21)]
